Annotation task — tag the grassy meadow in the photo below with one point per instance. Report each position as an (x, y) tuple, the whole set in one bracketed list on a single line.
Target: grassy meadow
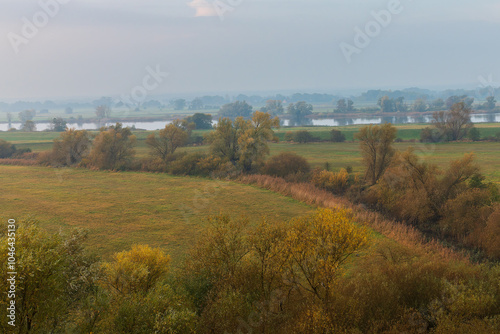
[(122, 209)]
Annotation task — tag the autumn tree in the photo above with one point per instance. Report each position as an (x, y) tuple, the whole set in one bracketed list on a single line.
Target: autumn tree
[(453, 124), (141, 300), (136, 270), (253, 141), (113, 148), (28, 126), (376, 147), (243, 142), (55, 276), (282, 267), (418, 192), (170, 138), (319, 246), (103, 111), (419, 105), (71, 147), (26, 115), (454, 99)]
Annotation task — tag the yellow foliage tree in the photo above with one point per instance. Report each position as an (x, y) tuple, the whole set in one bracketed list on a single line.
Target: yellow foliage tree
[(137, 270), (243, 142), (319, 246)]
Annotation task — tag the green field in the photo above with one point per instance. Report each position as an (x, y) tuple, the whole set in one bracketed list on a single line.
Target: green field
[(122, 209), (341, 155), (337, 155)]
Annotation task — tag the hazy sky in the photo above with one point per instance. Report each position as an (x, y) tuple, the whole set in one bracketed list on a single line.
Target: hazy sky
[(104, 47)]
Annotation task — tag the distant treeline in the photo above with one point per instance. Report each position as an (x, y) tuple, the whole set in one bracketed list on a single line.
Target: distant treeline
[(216, 101)]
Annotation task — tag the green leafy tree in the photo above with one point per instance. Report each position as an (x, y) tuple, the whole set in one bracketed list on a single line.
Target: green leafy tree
[(474, 134), (179, 104), (437, 104), (337, 136), (341, 106), (303, 136), (236, 109), (299, 110), (201, 121), (58, 124), (490, 103), (386, 104), (27, 115), (6, 149), (196, 104), (273, 107)]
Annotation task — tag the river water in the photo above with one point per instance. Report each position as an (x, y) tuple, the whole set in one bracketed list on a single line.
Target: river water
[(339, 121)]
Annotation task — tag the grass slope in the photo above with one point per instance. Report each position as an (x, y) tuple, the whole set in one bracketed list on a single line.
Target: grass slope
[(121, 209)]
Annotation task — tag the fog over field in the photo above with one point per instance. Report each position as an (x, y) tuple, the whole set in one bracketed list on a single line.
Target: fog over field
[(58, 49)]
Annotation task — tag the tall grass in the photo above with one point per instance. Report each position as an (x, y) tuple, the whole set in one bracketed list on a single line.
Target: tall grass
[(399, 232)]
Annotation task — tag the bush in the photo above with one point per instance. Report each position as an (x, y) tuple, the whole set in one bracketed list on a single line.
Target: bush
[(6, 149), (289, 135), (336, 136), (334, 182), (429, 135), (285, 164), (186, 165), (303, 136), (474, 134)]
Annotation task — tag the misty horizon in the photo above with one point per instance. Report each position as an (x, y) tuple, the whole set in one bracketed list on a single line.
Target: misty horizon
[(55, 49)]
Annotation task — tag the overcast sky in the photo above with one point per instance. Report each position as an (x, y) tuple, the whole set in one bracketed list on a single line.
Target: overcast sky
[(104, 47)]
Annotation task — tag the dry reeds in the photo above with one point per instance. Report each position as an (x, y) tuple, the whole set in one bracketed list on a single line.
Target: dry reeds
[(309, 194)]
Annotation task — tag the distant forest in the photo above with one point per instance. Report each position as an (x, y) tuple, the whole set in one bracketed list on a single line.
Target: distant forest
[(370, 97)]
